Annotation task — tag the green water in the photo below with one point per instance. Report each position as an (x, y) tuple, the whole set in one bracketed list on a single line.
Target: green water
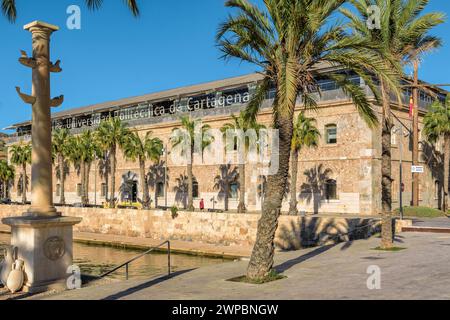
[(95, 260)]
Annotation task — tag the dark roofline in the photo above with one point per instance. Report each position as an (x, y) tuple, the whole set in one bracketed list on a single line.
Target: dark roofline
[(227, 83)]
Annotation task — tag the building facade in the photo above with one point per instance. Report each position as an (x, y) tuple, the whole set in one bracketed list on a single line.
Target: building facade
[(341, 176)]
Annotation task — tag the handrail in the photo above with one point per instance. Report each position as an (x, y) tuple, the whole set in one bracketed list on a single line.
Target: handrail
[(125, 264)]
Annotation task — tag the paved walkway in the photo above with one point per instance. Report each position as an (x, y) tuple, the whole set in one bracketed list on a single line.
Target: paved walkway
[(334, 272), (177, 246), (443, 222)]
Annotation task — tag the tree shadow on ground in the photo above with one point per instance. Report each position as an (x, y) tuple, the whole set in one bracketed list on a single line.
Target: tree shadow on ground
[(145, 285), (293, 262)]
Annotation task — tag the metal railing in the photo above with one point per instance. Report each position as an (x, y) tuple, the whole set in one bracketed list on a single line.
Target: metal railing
[(126, 264)]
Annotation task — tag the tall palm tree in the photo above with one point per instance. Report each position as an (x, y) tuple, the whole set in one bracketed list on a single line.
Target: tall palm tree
[(244, 124), (89, 152), (7, 174), (184, 138), (10, 12), (21, 156), (305, 134), (437, 126), (286, 41), (402, 36), (61, 150), (109, 136), (143, 149), (83, 151)]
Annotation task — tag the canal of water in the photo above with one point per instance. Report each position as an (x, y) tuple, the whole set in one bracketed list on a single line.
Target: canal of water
[(95, 260)]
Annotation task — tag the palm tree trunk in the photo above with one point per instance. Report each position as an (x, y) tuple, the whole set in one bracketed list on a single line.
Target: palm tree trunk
[(226, 197), (83, 181), (294, 170), (387, 236), (446, 172), (190, 206), (261, 261), (107, 160), (241, 206), (113, 177), (86, 183), (62, 178), (5, 190), (24, 183), (144, 184)]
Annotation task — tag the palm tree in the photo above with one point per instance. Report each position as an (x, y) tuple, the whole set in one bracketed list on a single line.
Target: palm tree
[(437, 126), (10, 12), (7, 174), (83, 151), (285, 41), (184, 138), (148, 148), (242, 124), (61, 150), (89, 152), (21, 156), (110, 135), (402, 36), (305, 135)]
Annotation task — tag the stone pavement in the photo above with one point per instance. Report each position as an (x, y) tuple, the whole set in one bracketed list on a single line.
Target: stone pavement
[(334, 272), (443, 222)]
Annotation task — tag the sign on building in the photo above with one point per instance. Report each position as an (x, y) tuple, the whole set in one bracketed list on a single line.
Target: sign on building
[(417, 169)]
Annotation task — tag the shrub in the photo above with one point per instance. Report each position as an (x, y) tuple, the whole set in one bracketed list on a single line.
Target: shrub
[(174, 211)]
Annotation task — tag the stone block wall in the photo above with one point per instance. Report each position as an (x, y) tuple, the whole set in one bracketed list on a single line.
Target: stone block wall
[(294, 232)]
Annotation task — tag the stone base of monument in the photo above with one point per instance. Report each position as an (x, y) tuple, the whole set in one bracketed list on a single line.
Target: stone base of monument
[(46, 247)]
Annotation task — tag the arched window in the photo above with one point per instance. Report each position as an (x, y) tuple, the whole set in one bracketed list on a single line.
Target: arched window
[(79, 189), (195, 192), (234, 190), (160, 189), (331, 190), (331, 134), (437, 190)]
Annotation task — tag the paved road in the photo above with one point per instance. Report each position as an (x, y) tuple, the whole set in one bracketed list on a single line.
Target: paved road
[(422, 271)]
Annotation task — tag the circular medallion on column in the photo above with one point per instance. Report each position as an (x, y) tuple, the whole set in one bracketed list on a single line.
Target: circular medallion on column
[(54, 248)]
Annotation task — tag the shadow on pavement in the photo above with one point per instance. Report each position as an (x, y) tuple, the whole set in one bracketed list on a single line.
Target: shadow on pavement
[(291, 263), (145, 285)]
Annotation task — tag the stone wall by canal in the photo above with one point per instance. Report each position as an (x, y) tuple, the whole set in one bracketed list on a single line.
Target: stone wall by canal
[(213, 228)]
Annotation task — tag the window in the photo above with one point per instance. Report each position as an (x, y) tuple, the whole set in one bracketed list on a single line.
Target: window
[(79, 187), (331, 134), (19, 189), (437, 190), (160, 189), (58, 190), (393, 137), (234, 190), (195, 189), (104, 190), (331, 190)]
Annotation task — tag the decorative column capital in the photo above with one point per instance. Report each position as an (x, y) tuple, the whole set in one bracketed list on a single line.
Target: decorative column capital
[(39, 26)]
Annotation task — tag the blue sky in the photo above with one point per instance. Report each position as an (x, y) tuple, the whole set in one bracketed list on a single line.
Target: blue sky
[(116, 56)]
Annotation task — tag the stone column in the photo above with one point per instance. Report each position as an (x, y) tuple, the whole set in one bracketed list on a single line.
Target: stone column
[(41, 167), (43, 238)]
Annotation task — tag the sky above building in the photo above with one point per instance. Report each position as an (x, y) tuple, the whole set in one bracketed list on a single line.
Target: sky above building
[(115, 55)]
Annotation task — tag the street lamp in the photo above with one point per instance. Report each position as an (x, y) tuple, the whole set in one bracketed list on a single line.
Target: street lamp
[(401, 135)]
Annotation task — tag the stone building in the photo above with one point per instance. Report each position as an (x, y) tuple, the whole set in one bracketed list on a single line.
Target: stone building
[(341, 176)]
